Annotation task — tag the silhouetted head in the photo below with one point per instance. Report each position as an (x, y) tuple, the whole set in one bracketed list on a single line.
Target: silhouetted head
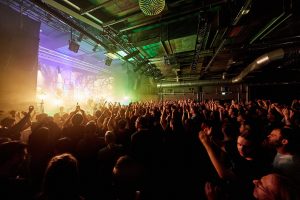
[(77, 119), (91, 128), (12, 155), (110, 137), (61, 178), (141, 122)]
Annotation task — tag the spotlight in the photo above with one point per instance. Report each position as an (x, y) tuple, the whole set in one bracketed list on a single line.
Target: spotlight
[(108, 61), (95, 48), (224, 75), (224, 90), (73, 46)]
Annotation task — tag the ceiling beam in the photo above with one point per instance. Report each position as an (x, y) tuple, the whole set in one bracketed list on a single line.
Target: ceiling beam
[(187, 13), (69, 22), (125, 18), (74, 14), (93, 8), (224, 39), (166, 20)]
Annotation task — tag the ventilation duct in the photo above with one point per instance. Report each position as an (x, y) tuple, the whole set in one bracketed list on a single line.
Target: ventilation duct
[(256, 64)]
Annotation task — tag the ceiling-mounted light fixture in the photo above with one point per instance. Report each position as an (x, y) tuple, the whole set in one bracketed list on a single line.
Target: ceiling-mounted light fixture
[(73, 45), (108, 61), (152, 7), (95, 48)]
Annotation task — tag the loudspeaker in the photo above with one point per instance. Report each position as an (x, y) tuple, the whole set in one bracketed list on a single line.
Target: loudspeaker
[(73, 46)]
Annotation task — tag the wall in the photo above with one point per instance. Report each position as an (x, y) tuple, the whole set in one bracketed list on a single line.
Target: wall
[(236, 92), (19, 39), (281, 93)]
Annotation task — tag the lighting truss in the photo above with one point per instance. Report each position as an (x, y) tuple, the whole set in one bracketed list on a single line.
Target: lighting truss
[(201, 32), (108, 35)]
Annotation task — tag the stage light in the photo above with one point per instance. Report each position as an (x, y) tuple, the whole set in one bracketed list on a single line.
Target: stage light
[(109, 99), (73, 46), (57, 102), (41, 96), (224, 90), (224, 75), (108, 61), (95, 48), (125, 100), (111, 55), (40, 77)]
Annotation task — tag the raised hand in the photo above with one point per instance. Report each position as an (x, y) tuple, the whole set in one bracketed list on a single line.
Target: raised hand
[(30, 109), (204, 138), (285, 112), (212, 192)]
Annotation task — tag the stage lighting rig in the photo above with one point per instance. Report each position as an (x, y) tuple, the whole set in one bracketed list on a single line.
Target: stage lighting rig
[(73, 46)]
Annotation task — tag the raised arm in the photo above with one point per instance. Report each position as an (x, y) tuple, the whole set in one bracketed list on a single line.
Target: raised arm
[(18, 127), (216, 161)]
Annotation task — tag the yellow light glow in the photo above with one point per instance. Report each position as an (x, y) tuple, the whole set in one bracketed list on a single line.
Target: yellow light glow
[(57, 102), (40, 78), (109, 99), (42, 96)]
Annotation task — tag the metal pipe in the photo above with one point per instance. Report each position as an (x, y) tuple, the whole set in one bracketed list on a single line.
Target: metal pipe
[(241, 12), (193, 83), (236, 20), (256, 64), (167, 20), (71, 12), (275, 26), (259, 62), (214, 39), (214, 56), (93, 8), (125, 18), (247, 93), (271, 23), (79, 9)]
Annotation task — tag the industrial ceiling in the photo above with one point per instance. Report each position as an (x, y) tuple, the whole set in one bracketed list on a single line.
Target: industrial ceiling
[(189, 41)]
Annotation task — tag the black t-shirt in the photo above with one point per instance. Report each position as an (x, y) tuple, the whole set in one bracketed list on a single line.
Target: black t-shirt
[(245, 171)]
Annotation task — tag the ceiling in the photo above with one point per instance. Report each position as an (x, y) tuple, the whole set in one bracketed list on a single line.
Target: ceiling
[(189, 40)]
